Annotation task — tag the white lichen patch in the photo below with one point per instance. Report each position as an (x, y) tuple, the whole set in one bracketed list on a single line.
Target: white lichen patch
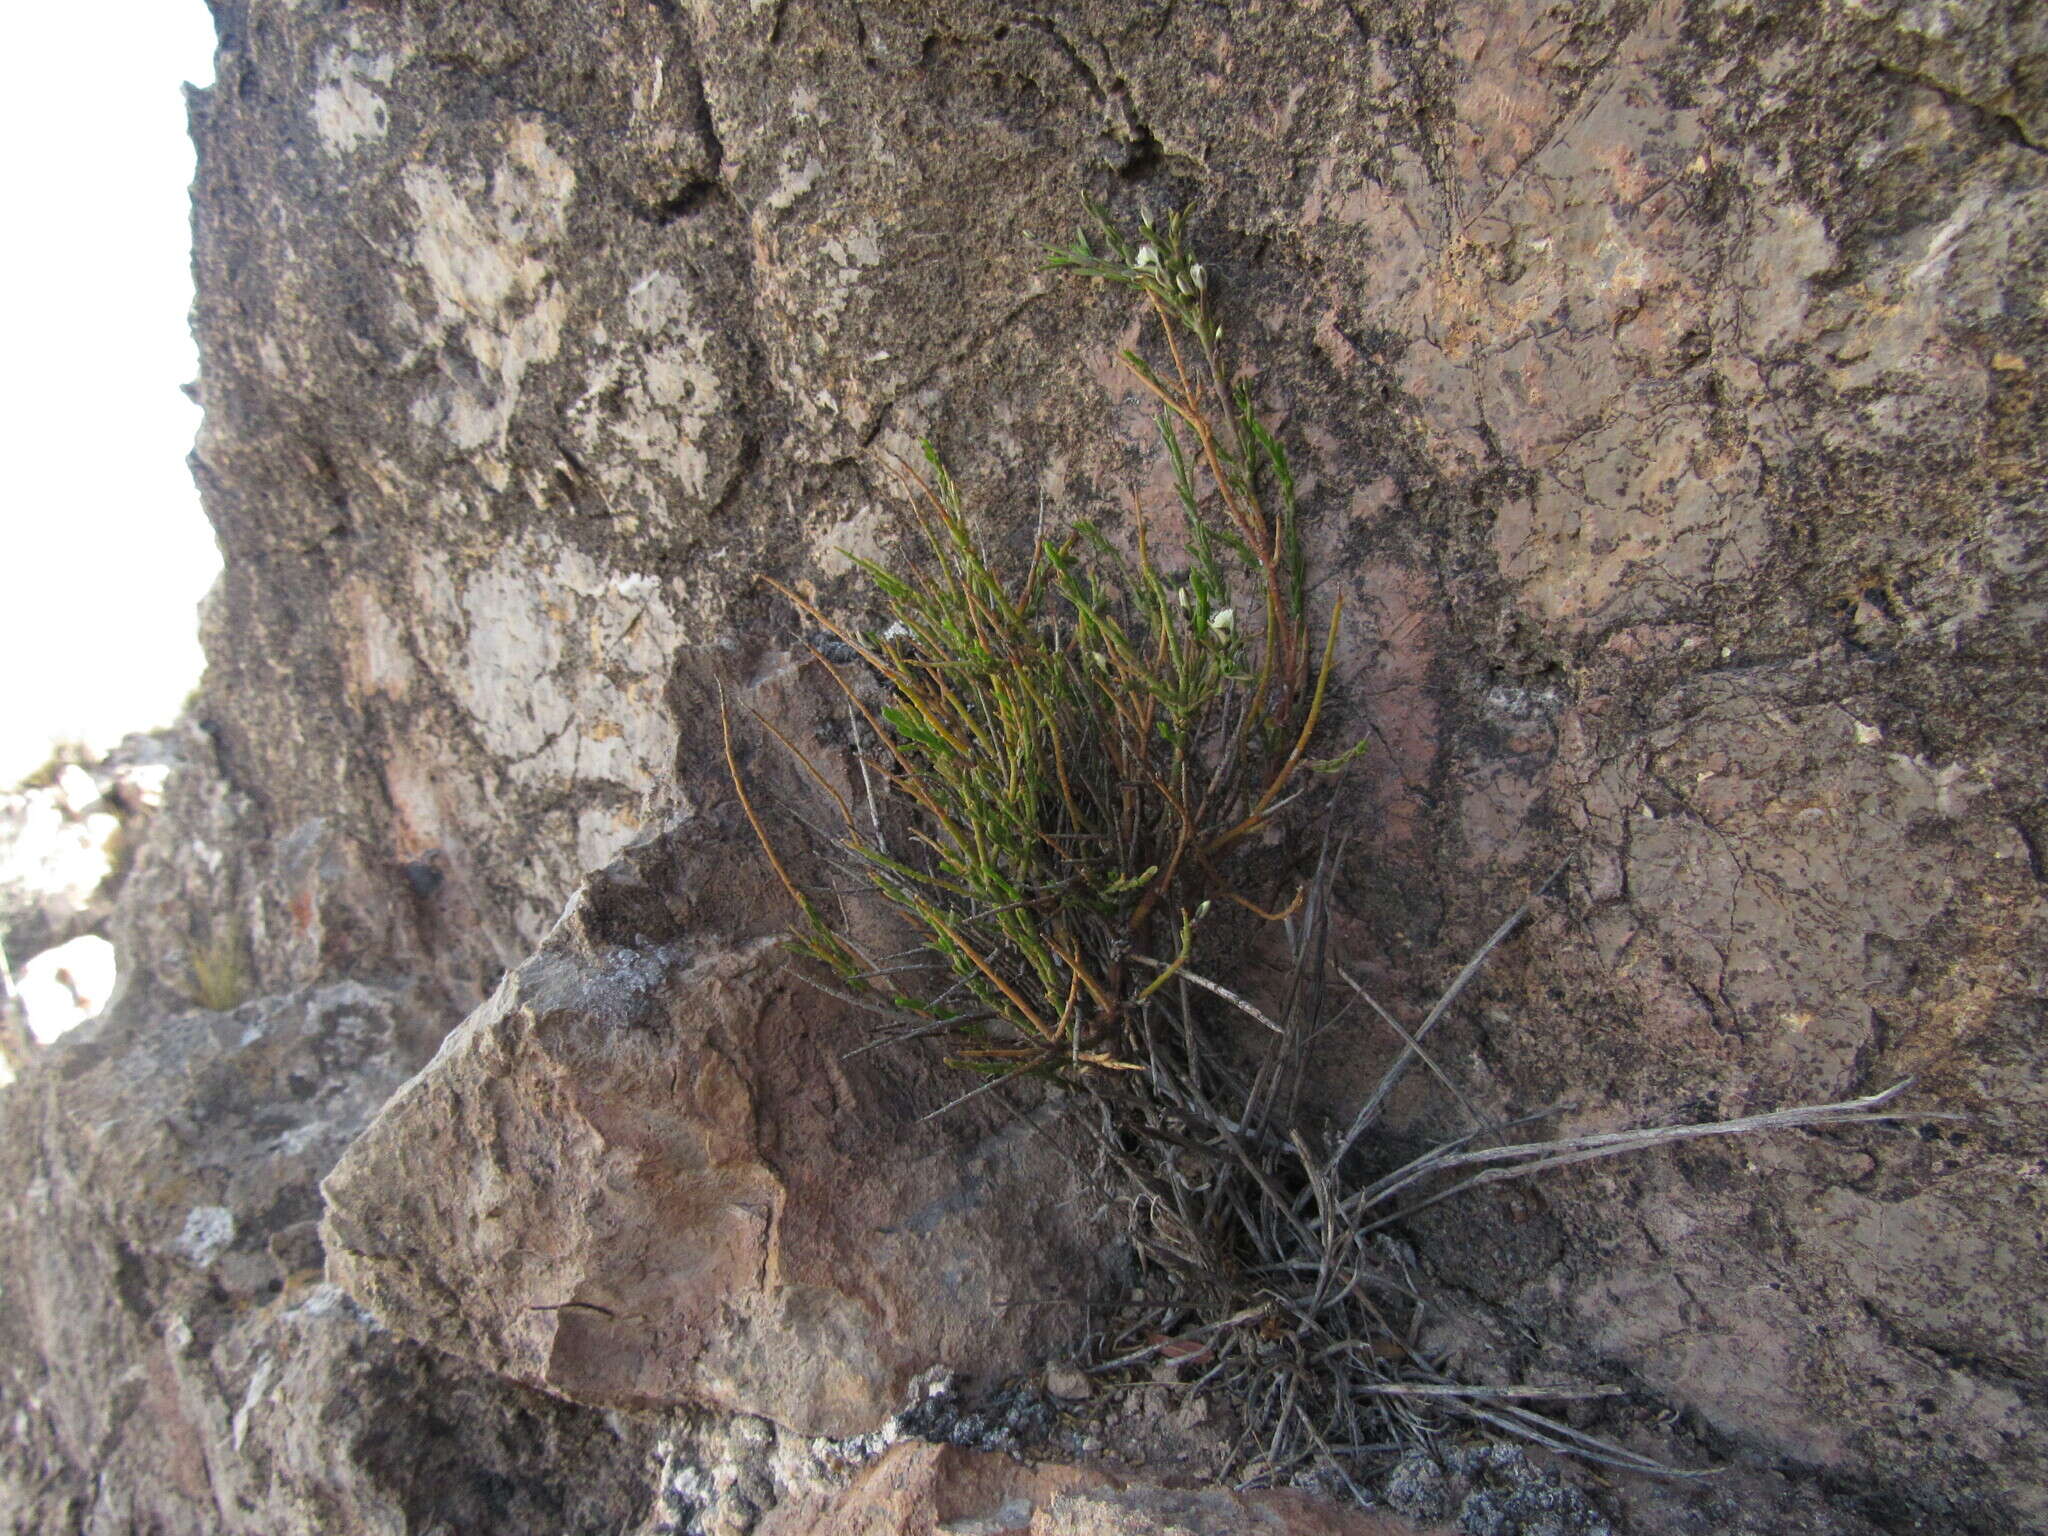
[(347, 111), (797, 178), (506, 677), (807, 106), (858, 536), (480, 247), (638, 587), (329, 1300), (830, 275), (657, 302), (855, 252), (602, 831), (562, 664), (656, 394), (207, 1230)]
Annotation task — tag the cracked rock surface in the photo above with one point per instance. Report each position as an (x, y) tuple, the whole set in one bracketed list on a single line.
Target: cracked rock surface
[(655, 1181), (1663, 379), (174, 1360)]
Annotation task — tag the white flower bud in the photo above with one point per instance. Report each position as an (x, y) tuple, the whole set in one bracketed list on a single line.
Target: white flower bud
[(1223, 620), (1200, 278), (1146, 257)]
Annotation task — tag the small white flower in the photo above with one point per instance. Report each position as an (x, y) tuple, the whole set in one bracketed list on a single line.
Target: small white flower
[(1223, 620), (1180, 595), (1146, 257), (1199, 277)]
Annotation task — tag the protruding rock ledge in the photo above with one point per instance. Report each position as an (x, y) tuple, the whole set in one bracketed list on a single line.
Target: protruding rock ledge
[(641, 1174)]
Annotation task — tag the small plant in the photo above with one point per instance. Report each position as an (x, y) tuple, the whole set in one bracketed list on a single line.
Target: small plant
[(1083, 744), (1072, 756), (220, 969)]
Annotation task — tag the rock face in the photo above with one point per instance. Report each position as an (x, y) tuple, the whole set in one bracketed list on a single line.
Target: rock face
[(928, 1490), (654, 1181), (175, 1361), (1665, 384)]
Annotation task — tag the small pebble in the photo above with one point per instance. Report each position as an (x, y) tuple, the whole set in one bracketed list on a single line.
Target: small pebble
[(1068, 1384)]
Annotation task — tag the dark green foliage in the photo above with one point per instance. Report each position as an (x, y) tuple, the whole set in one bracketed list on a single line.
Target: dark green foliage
[(1082, 744)]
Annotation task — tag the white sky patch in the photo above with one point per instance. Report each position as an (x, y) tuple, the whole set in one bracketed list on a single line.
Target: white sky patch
[(63, 987), (104, 555)]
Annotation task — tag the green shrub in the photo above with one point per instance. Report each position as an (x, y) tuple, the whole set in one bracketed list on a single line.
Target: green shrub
[(1082, 744)]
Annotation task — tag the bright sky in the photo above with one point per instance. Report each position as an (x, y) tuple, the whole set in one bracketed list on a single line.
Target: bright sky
[(103, 552)]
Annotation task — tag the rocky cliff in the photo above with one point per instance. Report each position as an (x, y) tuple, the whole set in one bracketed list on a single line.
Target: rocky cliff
[(1664, 379)]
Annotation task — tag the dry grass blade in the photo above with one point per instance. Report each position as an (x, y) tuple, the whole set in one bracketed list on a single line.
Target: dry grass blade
[(1412, 1043), (1314, 1334), (1214, 989), (1538, 1156), (1369, 1111), (1493, 1394)]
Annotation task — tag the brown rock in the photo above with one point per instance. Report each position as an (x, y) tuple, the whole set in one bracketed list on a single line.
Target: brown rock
[(641, 1175), (927, 1490), (173, 1362), (1068, 1384)]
